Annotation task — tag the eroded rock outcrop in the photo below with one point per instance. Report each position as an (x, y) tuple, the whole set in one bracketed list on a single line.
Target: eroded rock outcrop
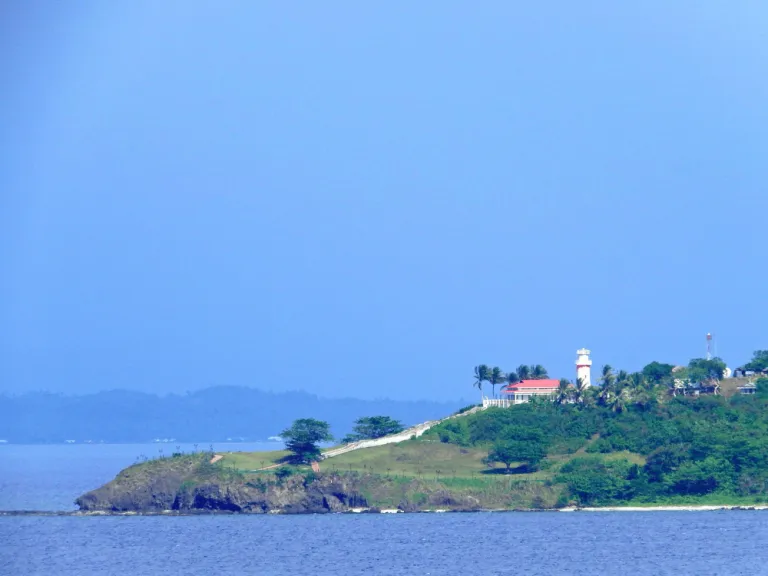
[(193, 485)]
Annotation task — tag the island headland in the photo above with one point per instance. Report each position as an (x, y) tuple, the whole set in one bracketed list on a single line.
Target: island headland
[(636, 441)]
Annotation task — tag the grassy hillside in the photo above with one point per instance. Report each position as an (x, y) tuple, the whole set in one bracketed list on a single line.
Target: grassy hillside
[(251, 461), (707, 449), (685, 450), (688, 449), (730, 386), (416, 458)]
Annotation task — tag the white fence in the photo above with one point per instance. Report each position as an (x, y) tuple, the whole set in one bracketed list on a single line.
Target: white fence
[(416, 431), (497, 402)]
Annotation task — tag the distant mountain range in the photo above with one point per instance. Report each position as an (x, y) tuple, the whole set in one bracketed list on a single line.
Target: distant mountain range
[(212, 414)]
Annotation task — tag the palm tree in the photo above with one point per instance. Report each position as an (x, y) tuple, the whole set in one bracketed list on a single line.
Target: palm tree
[(637, 381), (481, 375), (589, 397), (512, 378), (563, 392), (608, 378), (660, 392), (644, 398), (579, 390), (608, 389), (495, 376), (523, 372), (604, 396), (538, 372), (618, 402)]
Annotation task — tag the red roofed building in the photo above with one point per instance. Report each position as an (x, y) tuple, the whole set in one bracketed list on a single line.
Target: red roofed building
[(523, 391)]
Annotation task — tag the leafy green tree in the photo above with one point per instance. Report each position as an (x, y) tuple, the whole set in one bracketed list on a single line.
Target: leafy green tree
[(593, 480), (664, 460), (646, 397), (759, 361), (495, 377), (528, 452), (701, 369), (524, 372), (482, 372), (369, 427), (512, 378), (538, 372), (303, 437), (701, 477), (657, 372)]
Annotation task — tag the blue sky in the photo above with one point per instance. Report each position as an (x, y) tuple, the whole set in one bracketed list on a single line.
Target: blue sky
[(361, 200)]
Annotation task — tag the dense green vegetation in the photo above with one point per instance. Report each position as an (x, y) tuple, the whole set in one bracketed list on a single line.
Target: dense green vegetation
[(619, 389), (525, 446), (303, 437), (654, 450), (369, 427), (663, 435), (496, 376), (759, 361)]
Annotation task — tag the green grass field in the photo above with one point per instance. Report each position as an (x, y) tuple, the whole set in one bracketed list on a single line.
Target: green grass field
[(412, 458), (247, 461), (416, 459)]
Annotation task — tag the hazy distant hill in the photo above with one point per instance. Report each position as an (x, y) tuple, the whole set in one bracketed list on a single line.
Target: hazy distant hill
[(212, 414)]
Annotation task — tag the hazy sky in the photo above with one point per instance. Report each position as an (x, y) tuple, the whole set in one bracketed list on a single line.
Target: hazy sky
[(362, 200)]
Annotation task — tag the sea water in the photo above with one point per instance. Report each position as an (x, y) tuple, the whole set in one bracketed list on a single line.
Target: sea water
[(50, 476), (548, 543)]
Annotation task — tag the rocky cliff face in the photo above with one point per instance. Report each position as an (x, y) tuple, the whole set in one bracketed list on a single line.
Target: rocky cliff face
[(190, 485), (294, 495)]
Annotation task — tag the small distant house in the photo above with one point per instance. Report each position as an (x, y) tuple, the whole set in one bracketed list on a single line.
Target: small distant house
[(523, 391), (687, 388), (743, 372), (748, 388)]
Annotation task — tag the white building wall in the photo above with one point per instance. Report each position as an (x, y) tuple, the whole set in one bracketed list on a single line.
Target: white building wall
[(584, 366)]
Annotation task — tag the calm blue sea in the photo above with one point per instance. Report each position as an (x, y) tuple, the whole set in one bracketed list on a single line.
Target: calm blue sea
[(551, 544), (50, 477)]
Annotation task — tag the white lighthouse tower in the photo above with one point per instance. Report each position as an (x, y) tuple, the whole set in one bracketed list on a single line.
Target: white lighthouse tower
[(584, 366)]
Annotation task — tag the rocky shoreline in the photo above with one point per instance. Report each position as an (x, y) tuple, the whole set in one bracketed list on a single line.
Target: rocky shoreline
[(373, 510), (193, 485)]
